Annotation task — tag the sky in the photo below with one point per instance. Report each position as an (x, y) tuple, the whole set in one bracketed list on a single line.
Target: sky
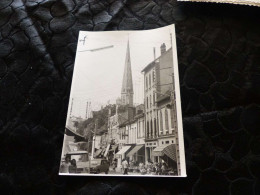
[(98, 75)]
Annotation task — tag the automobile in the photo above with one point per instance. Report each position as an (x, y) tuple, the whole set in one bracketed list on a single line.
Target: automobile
[(81, 158), (85, 166), (98, 166)]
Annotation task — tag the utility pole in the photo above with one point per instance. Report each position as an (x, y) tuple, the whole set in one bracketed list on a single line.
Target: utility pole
[(93, 142), (89, 157)]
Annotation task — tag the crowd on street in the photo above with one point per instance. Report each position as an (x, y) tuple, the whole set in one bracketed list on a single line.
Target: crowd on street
[(149, 168)]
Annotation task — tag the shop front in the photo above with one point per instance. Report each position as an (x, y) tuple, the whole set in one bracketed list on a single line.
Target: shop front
[(149, 147), (167, 154), (137, 154), (120, 155)]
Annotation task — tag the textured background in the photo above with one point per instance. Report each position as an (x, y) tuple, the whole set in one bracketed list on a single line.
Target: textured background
[(219, 56)]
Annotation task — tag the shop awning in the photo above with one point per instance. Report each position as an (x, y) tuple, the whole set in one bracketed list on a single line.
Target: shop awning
[(169, 151), (108, 146), (98, 152), (123, 150), (113, 148), (134, 150)]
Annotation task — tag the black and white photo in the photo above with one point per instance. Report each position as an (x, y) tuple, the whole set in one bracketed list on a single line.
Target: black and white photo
[(124, 115)]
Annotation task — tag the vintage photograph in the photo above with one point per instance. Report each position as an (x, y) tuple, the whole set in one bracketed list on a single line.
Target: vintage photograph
[(242, 2), (124, 114)]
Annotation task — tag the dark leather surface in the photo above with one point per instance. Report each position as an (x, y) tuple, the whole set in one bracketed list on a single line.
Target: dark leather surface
[(219, 56)]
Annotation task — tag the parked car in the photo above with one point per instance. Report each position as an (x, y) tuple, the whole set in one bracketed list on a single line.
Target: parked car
[(98, 166)]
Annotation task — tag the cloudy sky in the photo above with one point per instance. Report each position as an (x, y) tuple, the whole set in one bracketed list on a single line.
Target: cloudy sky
[(98, 74)]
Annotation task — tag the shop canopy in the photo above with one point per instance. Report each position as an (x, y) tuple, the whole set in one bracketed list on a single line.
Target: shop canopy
[(124, 150), (108, 146), (98, 152), (169, 150), (134, 150), (113, 148)]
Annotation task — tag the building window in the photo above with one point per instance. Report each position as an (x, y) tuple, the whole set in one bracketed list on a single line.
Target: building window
[(172, 141), (147, 128), (167, 142), (153, 75), (150, 80), (151, 128), (147, 103), (150, 101), (146, 82), (155, 129), (162, 142), (138, 129), (161, 121), (172, 118), (166, 120)]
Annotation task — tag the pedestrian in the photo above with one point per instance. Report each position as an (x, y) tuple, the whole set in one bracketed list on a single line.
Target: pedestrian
[(65, 165), (164, 169), (73, 166), (125, 167), (160, 169), (114, 164)]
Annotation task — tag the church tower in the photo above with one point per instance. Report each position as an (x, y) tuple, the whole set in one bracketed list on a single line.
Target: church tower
[(127, 92)]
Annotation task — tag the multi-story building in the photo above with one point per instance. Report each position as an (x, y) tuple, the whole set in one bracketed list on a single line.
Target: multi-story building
[(158, 82), (167, 131), (151, 118), (132, 137), (137, 136)]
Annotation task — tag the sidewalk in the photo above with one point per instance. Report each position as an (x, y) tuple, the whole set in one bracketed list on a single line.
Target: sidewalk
[(114, 172)]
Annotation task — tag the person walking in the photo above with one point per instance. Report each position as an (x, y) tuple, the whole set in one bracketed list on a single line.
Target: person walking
[(114, 163), (73, 166), (164, 169), (125, 167), (65, 165)]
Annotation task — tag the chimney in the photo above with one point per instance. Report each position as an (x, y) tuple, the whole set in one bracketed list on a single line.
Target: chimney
[(163, 48)]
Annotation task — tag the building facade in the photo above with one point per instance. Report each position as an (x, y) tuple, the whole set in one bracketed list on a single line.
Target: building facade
[(158, 77), (151, 118)]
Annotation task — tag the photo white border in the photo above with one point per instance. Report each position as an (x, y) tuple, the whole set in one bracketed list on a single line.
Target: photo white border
[(178, 107)]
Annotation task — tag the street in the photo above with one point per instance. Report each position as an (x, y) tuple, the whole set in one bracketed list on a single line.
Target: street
[(114, 172)]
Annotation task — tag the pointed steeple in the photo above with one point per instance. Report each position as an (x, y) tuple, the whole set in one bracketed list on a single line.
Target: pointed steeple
[(127, 91)]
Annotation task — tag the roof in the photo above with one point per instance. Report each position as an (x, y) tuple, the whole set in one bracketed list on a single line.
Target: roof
[(153, 62), (149, 65)]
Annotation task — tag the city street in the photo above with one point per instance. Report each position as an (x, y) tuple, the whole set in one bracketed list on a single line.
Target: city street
[(114, 172)]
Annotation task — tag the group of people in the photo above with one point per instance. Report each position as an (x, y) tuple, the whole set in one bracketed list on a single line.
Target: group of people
[(149, 168), (69, 166), (155, 169)]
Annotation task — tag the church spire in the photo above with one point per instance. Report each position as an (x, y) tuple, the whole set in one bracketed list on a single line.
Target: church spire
[(127, 91)]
